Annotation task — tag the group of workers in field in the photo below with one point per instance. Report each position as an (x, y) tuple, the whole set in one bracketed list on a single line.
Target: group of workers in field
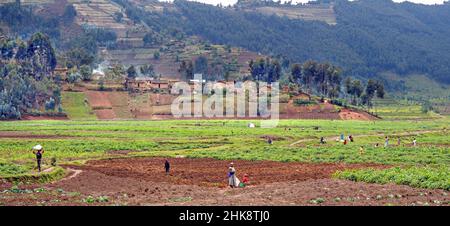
[(233, 180), (350, 138)]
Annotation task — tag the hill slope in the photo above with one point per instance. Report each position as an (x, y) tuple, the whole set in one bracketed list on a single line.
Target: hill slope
[(370, 37)]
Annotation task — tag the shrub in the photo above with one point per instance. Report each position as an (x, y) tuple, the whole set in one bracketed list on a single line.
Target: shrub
[(301, 102)]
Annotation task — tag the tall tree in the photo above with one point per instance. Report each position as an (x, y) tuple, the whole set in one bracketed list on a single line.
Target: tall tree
[(296, 74), (309, 71), (41, 55), (131, 72), (147, 70)]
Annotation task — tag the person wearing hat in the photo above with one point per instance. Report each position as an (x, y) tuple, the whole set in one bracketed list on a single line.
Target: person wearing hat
[(232, 179), (38, 151)]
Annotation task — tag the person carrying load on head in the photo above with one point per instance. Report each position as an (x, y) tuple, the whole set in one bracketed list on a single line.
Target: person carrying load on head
[(38, 151)]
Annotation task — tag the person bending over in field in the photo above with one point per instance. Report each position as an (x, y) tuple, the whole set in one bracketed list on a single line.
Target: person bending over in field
[(322, 140), (167, 166), (38, 151), (361, 150), (245, 180)]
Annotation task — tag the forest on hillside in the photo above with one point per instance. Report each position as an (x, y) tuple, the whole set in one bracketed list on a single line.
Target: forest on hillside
[(370, 36)]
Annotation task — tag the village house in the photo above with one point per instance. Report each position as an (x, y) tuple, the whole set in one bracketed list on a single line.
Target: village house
[(61, 71), (149, 84)]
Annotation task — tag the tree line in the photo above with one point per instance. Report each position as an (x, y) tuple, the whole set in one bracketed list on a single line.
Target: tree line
[(365, 42), (25, 82), (325, 80)]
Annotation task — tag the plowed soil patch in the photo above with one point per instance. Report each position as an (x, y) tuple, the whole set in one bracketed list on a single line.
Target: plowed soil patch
[(142, 181), (213, 173), (98, 99)]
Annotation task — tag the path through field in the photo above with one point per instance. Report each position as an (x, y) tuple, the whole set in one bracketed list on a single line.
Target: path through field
[(333, 138)]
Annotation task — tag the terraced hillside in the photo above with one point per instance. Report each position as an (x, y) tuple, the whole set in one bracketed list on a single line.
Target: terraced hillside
[(28, 2), (114, 105), (323, 12), (100, 13)]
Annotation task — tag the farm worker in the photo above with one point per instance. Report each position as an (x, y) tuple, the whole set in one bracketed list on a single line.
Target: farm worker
[(399, 141), (342, 137), (38, 151), (269, 141), (386, 142), (233, 181), (245, 179), (167, 166), (350, 138), (361, 150), (322, 140), (414, 142), (345, 142)]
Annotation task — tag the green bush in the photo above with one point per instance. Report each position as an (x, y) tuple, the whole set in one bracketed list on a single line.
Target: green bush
[(301, 102)]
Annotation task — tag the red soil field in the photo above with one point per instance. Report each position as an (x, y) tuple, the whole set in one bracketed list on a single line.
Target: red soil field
[(142, 181)]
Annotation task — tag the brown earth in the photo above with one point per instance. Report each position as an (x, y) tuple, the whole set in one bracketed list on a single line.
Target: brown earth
[(150, 106), (142, 181), (347, 114), (105, 114), (98, 99), (43, 117)]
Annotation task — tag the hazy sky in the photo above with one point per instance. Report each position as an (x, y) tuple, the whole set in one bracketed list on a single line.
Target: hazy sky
[(228, 2)]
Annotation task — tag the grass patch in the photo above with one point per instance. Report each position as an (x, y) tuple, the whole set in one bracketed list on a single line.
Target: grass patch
[(44, 177), (8, 169), (75, 106), (420, 177)]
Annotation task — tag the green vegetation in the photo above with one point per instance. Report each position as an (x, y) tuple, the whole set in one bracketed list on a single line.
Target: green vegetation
[(7, 169), (43, 177), (294, 140), (423, 177), (75, 106), (369, 38), (25, 69)]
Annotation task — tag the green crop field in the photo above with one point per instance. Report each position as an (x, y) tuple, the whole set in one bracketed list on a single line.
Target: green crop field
[(294, 140), (75, 106)]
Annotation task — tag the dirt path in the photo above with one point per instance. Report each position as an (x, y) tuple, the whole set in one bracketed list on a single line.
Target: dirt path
[(370, 135), (73, 173)]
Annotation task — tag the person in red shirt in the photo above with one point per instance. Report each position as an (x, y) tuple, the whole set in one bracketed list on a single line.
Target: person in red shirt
[(245, 179)]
